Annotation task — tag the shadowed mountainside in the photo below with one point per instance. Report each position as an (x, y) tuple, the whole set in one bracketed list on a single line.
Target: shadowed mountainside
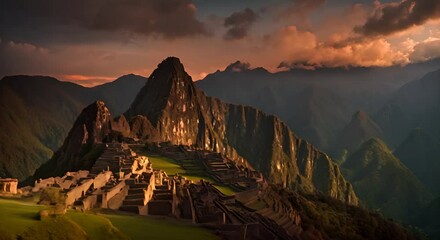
[(415, 105), (360, 129), (342, 90), (420, 152), (83, 144), (383, 182), (37, 113)]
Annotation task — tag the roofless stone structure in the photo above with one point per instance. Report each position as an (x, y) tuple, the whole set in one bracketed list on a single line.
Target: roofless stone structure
[(8, 185)]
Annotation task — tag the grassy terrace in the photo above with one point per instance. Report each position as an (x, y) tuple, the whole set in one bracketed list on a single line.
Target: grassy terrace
[(171, 167), (19, 218)]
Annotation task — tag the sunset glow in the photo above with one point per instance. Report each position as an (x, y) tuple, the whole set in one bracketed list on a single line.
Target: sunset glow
[(90, 47)]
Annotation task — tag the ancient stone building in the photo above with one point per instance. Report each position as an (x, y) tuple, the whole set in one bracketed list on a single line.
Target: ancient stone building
[(8, 185)]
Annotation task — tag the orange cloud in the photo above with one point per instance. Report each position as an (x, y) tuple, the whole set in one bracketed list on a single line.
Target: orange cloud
[(303, 49)]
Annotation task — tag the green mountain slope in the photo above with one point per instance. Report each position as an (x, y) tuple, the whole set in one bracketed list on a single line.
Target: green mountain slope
[(383, 183), (37, 112), (360, 129), (420, 152)]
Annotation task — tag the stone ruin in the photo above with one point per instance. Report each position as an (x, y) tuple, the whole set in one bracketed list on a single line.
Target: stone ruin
[(8, 185), (122, 180)]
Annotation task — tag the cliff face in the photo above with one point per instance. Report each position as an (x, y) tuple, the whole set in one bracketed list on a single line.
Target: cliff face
[(181, 114), (83, 143)]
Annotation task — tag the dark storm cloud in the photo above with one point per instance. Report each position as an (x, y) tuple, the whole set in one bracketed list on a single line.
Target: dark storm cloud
[(395, 17), (239, 24), (170, 19)]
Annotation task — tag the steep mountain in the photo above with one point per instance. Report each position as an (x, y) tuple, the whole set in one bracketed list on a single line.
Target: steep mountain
[(360, 129), (415, 105), (382, 182), (313, 111), (83, 144), (182, 114), (37, 113), (420, 152), (346, 91)]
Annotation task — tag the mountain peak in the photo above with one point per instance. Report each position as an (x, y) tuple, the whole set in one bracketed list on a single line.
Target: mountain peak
[(168, 84), (360, 129), (375, 143)]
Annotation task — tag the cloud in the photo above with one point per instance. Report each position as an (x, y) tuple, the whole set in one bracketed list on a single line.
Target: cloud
[(426, 50), (169, 19), (389, 18), (302, 49), (239, 24), (238, 66)]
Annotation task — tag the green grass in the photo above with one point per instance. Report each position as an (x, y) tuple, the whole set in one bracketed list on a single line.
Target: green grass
[(17, 216), (141, 227), (172, 167), (21, 218), (95, 226), (168, 165)]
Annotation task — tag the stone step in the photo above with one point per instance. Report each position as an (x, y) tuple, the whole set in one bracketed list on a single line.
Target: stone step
[(135, 196), (135, 191), (130, 182), (130, 208), (163, 197), (138, 201), (141, 185), (161, 187)]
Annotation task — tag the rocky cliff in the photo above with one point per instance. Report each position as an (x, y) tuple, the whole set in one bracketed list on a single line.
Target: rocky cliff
[(175, 110), (83, 144)]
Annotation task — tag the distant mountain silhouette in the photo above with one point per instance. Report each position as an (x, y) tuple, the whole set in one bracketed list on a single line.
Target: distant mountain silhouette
[(346, 90), (420, 152), (414, 105)]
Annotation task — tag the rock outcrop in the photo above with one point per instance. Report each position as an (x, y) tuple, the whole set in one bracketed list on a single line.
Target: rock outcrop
[(83, 144), (182, 114)]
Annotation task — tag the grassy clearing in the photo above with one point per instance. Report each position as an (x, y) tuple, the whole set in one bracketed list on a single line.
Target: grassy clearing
[(172, 167), (17, 216), (20, 218), (95, 226), (140, 227)]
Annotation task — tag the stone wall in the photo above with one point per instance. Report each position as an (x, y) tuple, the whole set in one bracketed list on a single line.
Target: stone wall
[(8, 185)]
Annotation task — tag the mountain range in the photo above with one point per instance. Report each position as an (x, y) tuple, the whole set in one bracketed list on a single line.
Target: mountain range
[(38, 111), (179, 113), (396, 150)]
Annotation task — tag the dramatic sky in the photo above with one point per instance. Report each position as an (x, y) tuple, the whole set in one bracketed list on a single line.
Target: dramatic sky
[(91, 42)]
